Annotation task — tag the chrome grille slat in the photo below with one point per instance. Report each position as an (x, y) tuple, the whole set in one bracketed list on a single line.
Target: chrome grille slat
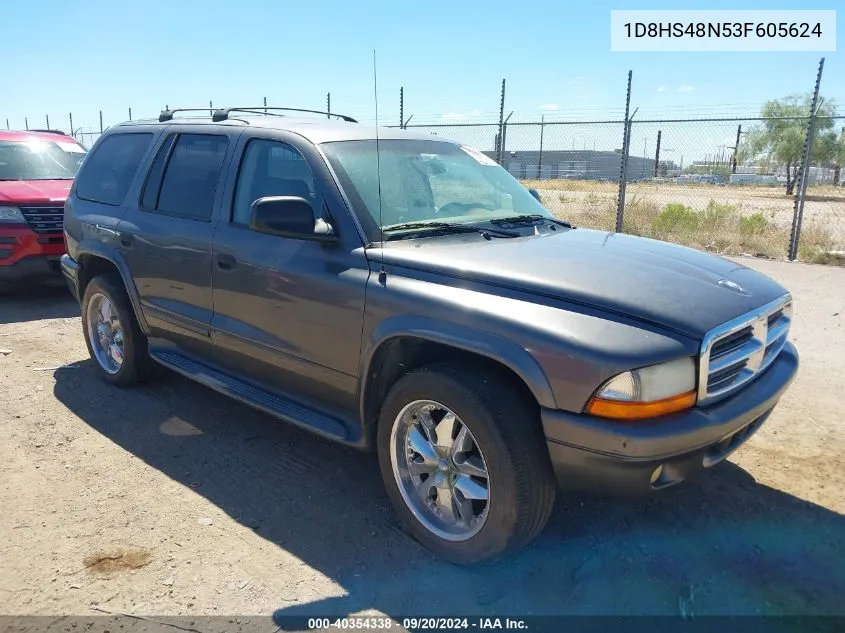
[(44, 219), (779, 330), (731, 342), (736, 355), (736, 352)]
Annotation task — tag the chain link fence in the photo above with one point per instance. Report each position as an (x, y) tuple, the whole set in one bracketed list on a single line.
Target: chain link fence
[(706, 182), (683, 180)]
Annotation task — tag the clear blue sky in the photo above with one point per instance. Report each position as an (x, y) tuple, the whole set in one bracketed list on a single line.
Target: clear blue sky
[(450, 57)]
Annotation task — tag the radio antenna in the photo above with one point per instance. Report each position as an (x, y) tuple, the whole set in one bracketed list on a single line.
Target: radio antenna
[(382, 275)]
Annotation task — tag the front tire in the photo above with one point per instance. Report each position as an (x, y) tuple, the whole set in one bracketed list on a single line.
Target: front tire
[(464, 461), (112, 334)]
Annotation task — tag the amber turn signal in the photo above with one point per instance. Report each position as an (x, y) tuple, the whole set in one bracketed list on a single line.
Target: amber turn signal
[(622, 410)]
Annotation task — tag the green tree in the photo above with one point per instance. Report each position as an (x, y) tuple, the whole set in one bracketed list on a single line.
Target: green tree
[(779, 140), (834, 151)]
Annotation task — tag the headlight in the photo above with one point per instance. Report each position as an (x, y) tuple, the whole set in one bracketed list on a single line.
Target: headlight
[(11, 214), (647, 392)]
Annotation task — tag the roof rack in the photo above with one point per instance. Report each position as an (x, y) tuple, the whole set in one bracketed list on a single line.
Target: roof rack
[(222, 114), (167, 115), (49, 131)]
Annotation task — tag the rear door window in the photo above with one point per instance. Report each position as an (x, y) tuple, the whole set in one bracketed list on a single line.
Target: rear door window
[(149, 198), (191, 176), (107, 172)]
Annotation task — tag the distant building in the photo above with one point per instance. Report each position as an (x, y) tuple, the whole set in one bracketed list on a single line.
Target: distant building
[(573, 164)]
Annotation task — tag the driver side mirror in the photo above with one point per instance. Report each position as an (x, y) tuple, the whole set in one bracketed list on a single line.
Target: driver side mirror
[(291, 217), (536, 195)]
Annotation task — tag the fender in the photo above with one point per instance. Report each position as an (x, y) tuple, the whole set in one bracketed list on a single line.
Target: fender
[(496, 348), (99, 250)]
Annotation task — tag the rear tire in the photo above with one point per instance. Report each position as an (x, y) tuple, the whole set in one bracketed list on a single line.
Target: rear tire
[(112, 334), (502, 455)]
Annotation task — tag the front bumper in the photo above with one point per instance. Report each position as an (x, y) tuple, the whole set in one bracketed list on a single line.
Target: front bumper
[(31, 268), (28, 256), (623, 457)]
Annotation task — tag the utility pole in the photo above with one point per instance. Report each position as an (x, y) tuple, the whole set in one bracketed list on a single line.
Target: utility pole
[(329, 105), (401, 107)]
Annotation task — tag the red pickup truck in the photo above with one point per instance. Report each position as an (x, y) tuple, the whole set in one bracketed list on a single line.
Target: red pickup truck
[(36, 172)]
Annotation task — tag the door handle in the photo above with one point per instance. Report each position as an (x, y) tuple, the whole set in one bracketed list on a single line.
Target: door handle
[(225, 262), (126, 240)]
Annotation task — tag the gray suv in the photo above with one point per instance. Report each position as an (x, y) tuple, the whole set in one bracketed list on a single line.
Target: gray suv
[(400, 292)]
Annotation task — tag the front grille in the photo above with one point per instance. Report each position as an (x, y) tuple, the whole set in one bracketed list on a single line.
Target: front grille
[(738, 351), (44, 219)]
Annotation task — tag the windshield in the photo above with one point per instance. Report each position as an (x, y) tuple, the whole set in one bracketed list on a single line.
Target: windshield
[(40, 160), (426, 181)]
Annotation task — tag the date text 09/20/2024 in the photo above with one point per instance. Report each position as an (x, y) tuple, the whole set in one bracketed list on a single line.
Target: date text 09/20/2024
[(418, 623)]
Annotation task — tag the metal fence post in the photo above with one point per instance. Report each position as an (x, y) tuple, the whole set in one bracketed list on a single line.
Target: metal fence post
[(501, 123), (70, 119), (657, 154), (101, 121), (47, 118), (623, 168), (736, 148), (504, 139), (328, 105), (540, 157), (130, 114), (804, 172), (265, 105), (401, 106)]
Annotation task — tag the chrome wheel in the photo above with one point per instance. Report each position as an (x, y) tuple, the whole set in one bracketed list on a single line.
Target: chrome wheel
[(440, 470), (105, 333)]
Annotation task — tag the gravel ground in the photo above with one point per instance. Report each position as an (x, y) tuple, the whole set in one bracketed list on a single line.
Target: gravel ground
[(173, 500)]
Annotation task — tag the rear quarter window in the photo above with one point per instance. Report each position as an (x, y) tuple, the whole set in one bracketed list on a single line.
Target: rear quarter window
[(108, 170), (191, 175)]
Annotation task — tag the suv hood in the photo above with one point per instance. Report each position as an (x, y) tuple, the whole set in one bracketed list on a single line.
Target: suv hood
[(673, 286), (34, 191)]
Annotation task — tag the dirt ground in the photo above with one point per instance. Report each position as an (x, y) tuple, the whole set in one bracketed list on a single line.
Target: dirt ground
[(171, 499)]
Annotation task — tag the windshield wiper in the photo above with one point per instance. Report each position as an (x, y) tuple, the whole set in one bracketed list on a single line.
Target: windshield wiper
[(530, 219), (449, 226)]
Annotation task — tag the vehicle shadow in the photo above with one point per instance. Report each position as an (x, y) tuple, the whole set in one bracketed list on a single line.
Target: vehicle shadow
[(724, 544), (50, 300)]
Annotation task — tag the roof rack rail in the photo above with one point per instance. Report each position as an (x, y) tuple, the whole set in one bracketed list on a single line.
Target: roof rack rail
[(222, 114), (49, 131), (167, 115)]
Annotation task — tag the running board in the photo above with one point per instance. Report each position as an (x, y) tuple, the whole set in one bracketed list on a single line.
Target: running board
[(289, 411)]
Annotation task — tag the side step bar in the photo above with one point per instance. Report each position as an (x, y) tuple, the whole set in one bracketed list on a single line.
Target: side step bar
[(287, 410)]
